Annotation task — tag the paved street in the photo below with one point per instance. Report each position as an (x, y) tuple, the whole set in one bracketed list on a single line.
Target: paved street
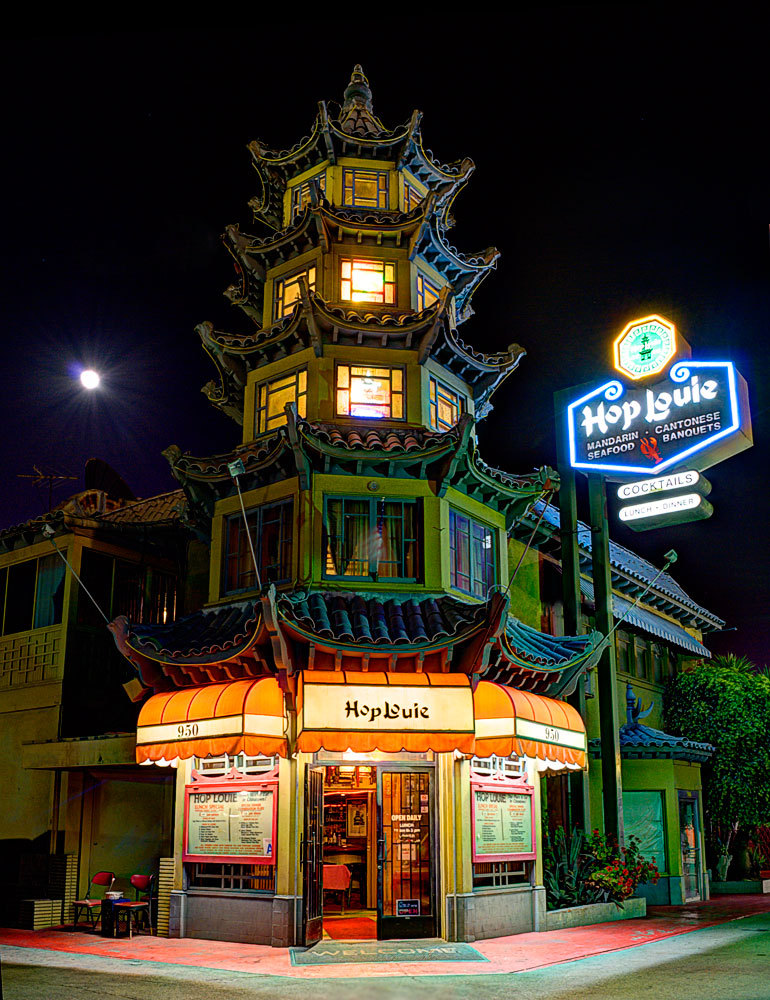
[(730, 961)]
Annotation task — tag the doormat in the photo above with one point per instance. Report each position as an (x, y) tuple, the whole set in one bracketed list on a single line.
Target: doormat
[(378, 952), (351, 928)]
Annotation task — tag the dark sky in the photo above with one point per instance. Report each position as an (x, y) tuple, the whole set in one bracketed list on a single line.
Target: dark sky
[(622, 169)]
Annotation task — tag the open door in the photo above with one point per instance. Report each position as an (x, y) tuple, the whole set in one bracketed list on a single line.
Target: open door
[(406, 882), (312, 856)]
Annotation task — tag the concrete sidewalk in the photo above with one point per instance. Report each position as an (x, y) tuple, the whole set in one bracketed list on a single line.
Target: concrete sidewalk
[(517, 953)]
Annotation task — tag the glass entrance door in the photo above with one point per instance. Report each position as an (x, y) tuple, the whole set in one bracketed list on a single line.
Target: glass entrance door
[(312, 856), (406, 881), (690, 841)]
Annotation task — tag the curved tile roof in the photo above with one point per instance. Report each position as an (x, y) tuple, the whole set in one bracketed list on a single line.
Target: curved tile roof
[(207, 636)]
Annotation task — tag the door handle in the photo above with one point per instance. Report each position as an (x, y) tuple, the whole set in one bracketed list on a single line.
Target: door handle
[(382, 850)]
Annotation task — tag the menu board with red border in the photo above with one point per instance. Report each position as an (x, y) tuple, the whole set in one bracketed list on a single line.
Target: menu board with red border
[(503, 821), (230, 821)]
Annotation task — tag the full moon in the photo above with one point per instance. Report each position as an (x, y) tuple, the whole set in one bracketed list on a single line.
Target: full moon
[(90, 378)]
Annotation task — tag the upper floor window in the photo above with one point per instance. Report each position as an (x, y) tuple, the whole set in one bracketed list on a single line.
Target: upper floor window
[(271, 530), (273, 396), (471, 555), (412, 197), (365, 188), (286, 291), (445, 406), (142, 593), (642, 656), (427, 293), (31, 594), (368, 281), (363, 391), (371, 538), (300, 195), (623, 649)]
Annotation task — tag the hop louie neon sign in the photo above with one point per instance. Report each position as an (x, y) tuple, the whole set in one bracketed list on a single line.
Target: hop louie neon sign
[(698, 414)]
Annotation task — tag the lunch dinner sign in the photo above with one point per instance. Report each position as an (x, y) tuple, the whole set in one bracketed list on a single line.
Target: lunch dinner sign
[(696, 413)]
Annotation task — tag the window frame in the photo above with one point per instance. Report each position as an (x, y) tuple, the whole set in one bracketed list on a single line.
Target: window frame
[(393, 392), (382, 182), (373, 575), (422, 284), (280, 309), (412, 197), (388, 285), (300, 195), (262, 409), (436, 386), (453, 548), (230, 556)]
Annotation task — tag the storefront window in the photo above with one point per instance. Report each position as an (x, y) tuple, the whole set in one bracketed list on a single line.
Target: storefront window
[(445, 406), (370, 392), (368, 281), (286, 291), (233, 877), (365, 188), (371, 539), (271, 528), (471, 555), (273, 396)]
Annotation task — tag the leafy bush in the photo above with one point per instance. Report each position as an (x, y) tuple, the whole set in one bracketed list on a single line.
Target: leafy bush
[(580, 869)]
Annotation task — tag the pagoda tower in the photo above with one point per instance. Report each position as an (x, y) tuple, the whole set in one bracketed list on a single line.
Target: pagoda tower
[(355, 530)]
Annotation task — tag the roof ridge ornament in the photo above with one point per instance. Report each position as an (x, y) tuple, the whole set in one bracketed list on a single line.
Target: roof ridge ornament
[(357, 91)]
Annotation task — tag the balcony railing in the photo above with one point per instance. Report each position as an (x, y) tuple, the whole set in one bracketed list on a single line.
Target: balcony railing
[(31, 657)]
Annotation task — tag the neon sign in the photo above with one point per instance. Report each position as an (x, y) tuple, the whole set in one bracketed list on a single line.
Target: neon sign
[(697, 415), (645, 347)]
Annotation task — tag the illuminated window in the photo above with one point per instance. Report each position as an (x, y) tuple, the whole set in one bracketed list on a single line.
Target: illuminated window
[(427, 293), (445, 406), (412, 197), (365, 188), (287, 294), (471, 555), (368, 281), (271, 530), (363, 391), (300, 195), (273, 396), (371, 538)]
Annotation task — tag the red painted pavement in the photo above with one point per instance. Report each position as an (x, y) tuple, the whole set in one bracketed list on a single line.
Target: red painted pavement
[(515, 953)]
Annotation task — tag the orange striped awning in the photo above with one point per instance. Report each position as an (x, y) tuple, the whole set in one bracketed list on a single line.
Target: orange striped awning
[(245, 716), (530, 725), (342, 710)]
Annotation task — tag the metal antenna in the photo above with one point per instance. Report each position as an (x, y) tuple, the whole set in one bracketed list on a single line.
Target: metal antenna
[(49, 476)]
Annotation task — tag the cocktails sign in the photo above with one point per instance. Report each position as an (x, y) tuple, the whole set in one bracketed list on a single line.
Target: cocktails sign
[(698, 414)]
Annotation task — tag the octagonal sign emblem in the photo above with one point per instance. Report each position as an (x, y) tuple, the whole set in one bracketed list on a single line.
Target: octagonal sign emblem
[(645, 347)]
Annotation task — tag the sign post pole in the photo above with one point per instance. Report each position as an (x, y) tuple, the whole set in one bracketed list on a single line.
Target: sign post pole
[(571, 595), (612, 790)]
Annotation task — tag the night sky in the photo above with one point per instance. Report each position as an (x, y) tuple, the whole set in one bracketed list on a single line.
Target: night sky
[(621, 169)]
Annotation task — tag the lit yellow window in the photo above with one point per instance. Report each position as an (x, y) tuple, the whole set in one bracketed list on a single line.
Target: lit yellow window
[(427, 293), (273, 396), (365, 188), (445, 406), (368, 281), (287, 291), (370, 392), (412, 197), (300, 195)]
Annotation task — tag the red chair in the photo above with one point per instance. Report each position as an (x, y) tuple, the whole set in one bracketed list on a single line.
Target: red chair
[(93, 907), (132, 910)]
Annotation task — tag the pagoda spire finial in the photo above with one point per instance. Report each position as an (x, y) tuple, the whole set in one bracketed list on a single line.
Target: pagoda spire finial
[(358, 91)]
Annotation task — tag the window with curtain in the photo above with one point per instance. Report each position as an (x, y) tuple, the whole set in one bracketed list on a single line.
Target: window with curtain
[(446, 405), (271, 530), (272, 397), (300, 195), (472, 557), (365, 188), (371, 538), (368, 281), (363, 391), (286, 291), (32, 594)]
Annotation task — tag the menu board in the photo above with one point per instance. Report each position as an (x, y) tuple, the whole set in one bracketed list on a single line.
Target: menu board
[(502, 823), (234, 824)]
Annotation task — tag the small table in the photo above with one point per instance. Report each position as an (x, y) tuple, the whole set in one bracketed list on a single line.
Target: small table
[(109, 924)]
